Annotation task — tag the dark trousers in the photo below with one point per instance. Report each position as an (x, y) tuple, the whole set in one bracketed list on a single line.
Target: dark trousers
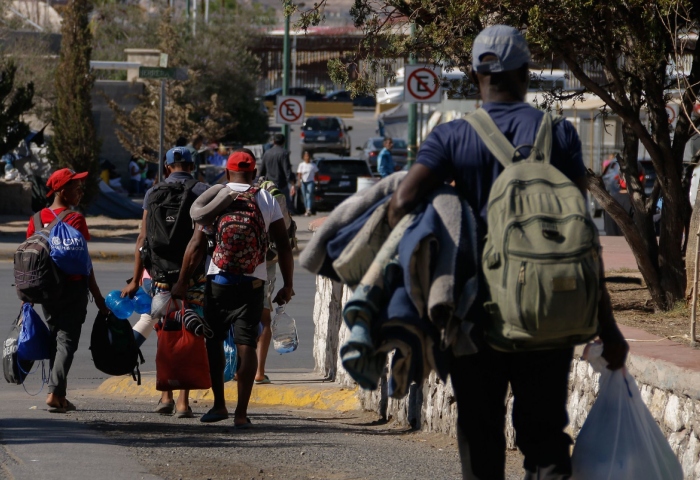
[(539, 381), (65, 318)]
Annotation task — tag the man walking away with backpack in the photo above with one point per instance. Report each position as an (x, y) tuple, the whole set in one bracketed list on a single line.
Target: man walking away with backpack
[(166, 229), (276, 166), (236, 279), (538, 377), (66, 315)]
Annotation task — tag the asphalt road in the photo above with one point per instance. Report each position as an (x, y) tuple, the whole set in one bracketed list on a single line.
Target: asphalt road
[(112, 275)]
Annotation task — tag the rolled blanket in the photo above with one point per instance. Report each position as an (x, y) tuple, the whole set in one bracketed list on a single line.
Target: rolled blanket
[(210, 204)]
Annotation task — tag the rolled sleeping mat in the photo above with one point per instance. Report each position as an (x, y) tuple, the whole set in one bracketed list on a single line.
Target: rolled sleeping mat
[(210, 204)]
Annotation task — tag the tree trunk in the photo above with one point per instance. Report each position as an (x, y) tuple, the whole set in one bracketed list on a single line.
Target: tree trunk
[(690, 249), (647, 265)]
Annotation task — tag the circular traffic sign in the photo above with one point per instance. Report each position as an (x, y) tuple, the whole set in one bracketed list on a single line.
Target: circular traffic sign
[(671, 113), (290, 110), (423, 83)]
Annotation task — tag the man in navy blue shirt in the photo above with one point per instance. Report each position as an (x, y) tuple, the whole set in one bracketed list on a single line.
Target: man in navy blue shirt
[(539, 380)]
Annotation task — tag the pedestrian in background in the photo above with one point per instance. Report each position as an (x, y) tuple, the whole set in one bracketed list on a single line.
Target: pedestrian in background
[(134, 176), (276, 166), (306, 173), (66, 315), (385, 162)]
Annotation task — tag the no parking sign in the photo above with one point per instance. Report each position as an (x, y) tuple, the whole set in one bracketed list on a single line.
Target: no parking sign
[(290, 110), (422, 85)]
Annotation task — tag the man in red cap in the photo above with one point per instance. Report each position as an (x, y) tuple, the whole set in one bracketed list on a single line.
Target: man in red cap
[(237, 299), (67, 315)]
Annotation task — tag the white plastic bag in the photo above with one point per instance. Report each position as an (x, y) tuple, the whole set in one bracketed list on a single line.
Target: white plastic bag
[(620, 440)]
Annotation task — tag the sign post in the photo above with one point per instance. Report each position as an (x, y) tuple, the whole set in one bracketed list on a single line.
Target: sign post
[(289, 110), (162, 73)]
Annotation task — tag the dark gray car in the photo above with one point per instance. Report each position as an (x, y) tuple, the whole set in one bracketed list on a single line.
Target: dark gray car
[(325, 134)]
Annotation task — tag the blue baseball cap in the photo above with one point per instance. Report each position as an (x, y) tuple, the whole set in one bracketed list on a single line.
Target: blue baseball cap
[(178, 155), (505, 43)]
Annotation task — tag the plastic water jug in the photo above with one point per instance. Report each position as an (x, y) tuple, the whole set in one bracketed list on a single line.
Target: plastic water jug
[(121, 307), (284, 332), (142, 301)]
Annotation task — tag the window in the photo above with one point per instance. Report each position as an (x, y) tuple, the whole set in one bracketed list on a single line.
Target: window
[(322, 124)]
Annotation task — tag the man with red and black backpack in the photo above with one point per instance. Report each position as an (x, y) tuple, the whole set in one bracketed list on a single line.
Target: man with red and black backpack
[(236, 278)]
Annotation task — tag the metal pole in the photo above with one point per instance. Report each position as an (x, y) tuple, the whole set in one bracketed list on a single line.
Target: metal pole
[(412, 115), (206, 12), (194, 18), (161, 151), (286, 60), (294, 61)]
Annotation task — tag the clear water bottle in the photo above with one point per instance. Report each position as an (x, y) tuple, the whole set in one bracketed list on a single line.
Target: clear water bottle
[(121, 307), (142, 301), (284, 332)]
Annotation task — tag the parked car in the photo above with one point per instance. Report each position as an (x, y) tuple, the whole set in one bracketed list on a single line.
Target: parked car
[(325, 134), (311, 95), (358, 101), (336, 180), (374, 145)]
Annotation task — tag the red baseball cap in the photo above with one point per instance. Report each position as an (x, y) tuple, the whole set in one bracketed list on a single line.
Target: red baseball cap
[(60, 178), (241, 162)]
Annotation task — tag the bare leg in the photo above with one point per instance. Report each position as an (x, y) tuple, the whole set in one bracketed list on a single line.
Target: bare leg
[(166, 397), (217, 361), (182, 400), (263, 344), (246, 376)]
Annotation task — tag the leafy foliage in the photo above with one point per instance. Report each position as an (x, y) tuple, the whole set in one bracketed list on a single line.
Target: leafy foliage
[(623, 51), (74, 143), (15, 101), (218, 60)]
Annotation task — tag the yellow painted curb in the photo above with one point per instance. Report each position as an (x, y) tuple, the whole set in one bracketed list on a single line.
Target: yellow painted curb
[(300, 396)]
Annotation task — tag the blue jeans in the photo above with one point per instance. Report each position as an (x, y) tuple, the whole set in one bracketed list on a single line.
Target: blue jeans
[(307, 190)]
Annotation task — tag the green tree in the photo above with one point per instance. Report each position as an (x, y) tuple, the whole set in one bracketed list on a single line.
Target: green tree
[(74, 143), (619, 50), (15, 101)]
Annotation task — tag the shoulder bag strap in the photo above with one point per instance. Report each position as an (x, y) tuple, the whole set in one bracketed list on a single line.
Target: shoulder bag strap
[(543, 140), (495, 141)]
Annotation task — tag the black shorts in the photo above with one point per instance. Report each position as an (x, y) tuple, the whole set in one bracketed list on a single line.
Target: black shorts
[(240, 305)]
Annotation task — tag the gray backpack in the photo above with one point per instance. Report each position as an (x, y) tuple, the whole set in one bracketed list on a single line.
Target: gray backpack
[(541, 258)]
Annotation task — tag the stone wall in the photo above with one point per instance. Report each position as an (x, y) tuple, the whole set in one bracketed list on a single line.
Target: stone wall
[(672, 393)]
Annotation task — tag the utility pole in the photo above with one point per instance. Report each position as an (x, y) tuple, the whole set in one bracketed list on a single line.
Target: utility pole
[(206, 12), (412, 116), (161, 150), (286, 60)]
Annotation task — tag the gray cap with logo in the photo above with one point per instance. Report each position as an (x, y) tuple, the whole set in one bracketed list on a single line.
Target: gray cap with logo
[(505, 43)]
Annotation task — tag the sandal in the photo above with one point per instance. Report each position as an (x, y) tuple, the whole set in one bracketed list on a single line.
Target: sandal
[(244, 426), (70, 407), (58, 409), (165, 408), (264, 381), (211, 417), (186, 414)]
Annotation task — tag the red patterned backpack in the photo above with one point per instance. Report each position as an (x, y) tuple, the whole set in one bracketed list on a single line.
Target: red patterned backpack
[(241, 237)]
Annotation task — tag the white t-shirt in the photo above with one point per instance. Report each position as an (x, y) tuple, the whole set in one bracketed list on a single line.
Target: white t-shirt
[(307, 170), (271, 212), (134, 167)]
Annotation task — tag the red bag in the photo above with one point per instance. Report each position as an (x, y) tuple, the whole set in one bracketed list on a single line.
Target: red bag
[(181, 360)]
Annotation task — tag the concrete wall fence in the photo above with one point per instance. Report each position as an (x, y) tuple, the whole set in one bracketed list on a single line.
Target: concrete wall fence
[(668, 375)]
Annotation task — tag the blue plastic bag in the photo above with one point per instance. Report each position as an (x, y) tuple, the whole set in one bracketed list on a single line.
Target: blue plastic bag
[(34, 342), (620, 439), (231, 354), (69, 250)]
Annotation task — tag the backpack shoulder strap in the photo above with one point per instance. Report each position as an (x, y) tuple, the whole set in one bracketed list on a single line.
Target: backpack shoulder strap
[(543, 140), (38, 224), (59, 218), (495, 141), (190, 184)]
